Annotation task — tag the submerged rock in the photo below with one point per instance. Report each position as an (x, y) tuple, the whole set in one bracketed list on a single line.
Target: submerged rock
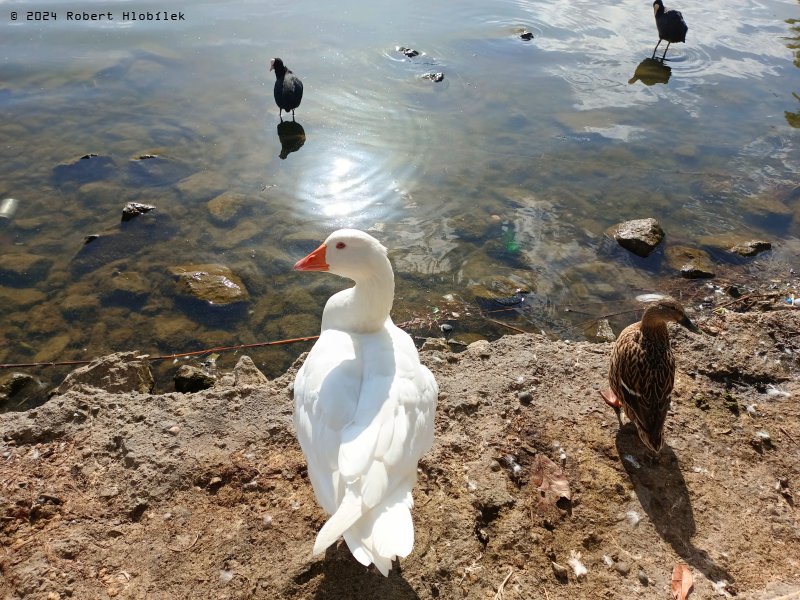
[(20, 268), (201, 186), (640, 236), (769, 209), (498, 292), (751, 248), (226, 207), (14, 299), (691, 262), (124, 240), (89, 167), (154, 169), (125, 287), (214, 284), (134, 209), (80, 306), (18, 391)]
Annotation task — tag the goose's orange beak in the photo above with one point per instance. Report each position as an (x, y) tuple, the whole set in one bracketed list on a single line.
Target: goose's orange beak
[(314, 261)]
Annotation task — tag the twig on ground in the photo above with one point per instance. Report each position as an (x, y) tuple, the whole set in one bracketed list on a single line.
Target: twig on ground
[(499, 594), (749, 297), (189, 547), (786, 433)]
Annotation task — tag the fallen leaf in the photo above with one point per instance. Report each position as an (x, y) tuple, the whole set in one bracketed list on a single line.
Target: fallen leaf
[(550, 480), (682, 582)]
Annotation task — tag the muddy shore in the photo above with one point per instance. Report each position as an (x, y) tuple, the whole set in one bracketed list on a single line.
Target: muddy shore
[(108, 492)]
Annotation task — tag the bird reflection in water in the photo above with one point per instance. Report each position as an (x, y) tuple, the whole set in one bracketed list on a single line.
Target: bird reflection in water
[(292, 137), (651, 71)]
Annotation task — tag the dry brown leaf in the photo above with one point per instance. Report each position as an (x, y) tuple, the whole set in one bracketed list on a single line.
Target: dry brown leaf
[(682, 582), (550, 480)]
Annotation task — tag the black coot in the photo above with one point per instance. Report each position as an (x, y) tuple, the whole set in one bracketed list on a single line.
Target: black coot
[(288, 88), (671, 26)]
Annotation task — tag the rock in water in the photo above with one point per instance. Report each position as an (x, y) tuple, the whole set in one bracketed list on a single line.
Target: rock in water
[(640, 236)]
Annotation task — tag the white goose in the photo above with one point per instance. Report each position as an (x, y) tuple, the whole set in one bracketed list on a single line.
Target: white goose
[(363, 406)]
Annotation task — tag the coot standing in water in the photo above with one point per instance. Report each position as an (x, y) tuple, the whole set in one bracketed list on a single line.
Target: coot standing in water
[(670, 24), (288, 89)]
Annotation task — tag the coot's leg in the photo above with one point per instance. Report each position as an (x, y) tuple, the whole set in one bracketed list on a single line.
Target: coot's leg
[(656, 48)]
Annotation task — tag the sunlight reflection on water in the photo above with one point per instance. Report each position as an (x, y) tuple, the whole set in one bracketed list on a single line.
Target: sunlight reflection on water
[(510, 168)]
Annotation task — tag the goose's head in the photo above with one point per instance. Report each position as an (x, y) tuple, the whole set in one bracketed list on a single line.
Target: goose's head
[(348, 253)]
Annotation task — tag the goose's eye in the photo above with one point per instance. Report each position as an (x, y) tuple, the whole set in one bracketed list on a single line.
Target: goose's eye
[(340, 245)]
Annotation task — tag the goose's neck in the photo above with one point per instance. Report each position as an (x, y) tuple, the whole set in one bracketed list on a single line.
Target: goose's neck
[(364, 307)]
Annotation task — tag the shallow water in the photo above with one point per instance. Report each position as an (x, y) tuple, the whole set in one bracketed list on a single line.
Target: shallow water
[(502, 176)]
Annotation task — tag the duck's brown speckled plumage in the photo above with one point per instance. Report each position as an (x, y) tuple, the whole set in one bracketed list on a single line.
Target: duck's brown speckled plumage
[(642, 370)]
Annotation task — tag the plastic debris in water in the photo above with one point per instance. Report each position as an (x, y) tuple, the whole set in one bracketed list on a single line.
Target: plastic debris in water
[(8, 206), (650, 297), (510, 242), (578, 567)]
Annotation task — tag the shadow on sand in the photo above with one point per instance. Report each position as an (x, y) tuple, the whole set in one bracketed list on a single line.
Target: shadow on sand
[(342, 576), (663, 495)]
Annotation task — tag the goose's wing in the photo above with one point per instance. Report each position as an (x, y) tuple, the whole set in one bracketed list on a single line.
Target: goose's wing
[(326, 393)]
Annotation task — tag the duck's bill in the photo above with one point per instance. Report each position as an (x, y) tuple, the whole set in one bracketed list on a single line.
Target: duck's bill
[(690, 326), (313, 262)]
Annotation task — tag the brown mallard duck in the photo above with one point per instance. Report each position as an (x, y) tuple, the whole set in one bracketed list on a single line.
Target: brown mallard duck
[(642, 370)]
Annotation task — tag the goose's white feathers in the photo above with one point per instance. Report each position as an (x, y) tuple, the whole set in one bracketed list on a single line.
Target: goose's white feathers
[(364, 407)]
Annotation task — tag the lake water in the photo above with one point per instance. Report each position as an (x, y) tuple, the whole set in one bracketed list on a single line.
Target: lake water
[(503, 176)]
